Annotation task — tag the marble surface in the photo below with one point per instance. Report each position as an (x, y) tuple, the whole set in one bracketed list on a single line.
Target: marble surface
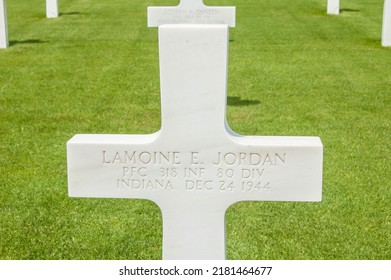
[(3, 25), (333, 7), (386, 30), (191, 12), (51, 8), (195, 166)]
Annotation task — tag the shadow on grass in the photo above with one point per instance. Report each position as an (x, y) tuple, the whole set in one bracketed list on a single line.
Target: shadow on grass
[(374, 43), (70, 14), (238, 101), (341, 11), (349, 11), (26, 42)]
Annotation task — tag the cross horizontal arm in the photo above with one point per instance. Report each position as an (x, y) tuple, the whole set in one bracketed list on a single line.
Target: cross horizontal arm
[(191, 12)]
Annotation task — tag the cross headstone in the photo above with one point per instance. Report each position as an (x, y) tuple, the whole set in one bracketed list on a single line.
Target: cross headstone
[(51, 8), (386, 31), (333, 7), (3, 25), (195, 166), (191, 12)]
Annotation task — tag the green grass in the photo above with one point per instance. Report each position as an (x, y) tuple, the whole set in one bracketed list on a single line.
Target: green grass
[(293, 70)]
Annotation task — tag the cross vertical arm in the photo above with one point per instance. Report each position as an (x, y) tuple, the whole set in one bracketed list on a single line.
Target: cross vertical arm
[(3, 25), (386, 30), (51, 8), (333, 7)]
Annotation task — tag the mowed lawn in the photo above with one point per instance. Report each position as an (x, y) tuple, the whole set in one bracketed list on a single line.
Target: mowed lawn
[(293, 70)]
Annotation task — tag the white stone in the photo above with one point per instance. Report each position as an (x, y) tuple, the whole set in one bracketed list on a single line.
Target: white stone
[(195, 167), (51, 8), (386, 32), (333, 7), (191, 12), (3, 25)]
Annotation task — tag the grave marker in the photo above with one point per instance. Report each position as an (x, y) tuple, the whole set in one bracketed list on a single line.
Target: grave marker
[(51, 8), (195, 167), (333, 7), (191, 12), (3, 25), (386, 31)]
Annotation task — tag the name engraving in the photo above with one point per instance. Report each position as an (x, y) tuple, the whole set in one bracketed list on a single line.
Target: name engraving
[(144, 158), (250, 159)]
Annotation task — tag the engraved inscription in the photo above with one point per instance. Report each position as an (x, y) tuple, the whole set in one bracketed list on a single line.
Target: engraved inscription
[(193, 171), (144, 184), (256, 159), (144, 157)]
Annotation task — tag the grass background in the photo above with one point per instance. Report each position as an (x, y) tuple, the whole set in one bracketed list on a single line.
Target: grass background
[(293, 70)]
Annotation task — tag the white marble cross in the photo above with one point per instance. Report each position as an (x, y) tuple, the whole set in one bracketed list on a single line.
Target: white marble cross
[(191, 12), (195, 166), (386, 31), (51, 8), (3, 25), (333, 7)]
